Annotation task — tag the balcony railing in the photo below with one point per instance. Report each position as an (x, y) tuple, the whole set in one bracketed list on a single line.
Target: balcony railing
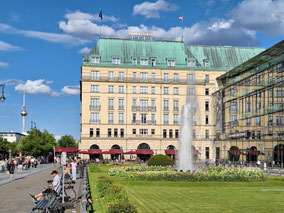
[(148, 108), (87, 77), (145, 123), (95, 121), (95, 107)]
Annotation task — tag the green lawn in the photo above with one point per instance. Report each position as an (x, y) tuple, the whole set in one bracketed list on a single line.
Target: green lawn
[(165, 196)]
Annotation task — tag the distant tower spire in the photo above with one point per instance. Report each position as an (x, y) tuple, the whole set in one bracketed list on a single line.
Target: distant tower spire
[(24, 112)]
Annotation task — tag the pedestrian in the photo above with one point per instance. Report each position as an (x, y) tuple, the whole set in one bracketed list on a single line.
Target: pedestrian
[(74, 165), (2, 166), (11, 168), (20, 165)]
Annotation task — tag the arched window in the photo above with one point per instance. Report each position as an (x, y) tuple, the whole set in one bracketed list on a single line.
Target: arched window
[(115, 146), (143, 146), (94, 146)]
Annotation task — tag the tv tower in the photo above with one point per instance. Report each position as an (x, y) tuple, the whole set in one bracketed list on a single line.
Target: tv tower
[(24, 112)]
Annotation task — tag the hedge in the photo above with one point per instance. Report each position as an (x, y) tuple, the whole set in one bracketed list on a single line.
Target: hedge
[(160, 160)]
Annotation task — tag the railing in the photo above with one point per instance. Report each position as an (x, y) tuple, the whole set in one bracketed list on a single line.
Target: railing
[(95, 107), (95, 121), (88, 77), (84, 208), (146, 123), (263, 111), (148, 108)]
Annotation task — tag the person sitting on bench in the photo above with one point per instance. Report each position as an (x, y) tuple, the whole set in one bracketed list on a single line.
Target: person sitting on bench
[(56, 186)]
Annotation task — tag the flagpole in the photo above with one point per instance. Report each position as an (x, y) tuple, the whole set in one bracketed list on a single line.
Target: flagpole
[(100, 27), (182, 28)]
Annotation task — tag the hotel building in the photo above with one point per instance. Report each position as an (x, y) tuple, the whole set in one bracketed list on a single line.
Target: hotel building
[(132, 93)]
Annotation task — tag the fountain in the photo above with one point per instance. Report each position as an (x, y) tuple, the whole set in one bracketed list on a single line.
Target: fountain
[(184, 161)]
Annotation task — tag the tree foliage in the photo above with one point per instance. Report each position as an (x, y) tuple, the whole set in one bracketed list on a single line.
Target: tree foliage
[(67, 141), (160, 160), (37, 143), (5, 146)]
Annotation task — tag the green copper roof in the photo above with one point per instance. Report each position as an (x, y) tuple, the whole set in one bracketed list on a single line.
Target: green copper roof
[(220, 58)]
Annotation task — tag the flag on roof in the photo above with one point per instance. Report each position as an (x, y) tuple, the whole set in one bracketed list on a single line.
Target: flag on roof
[(180, 17), (101, 14)]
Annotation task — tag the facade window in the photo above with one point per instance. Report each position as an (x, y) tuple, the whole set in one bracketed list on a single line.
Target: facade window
[(166, 104), (143, 104), (153, 90), (153, 62), (95, 103), (121, 76), (248, 122), (270, 120), (207, 79), (143, 62), (176, 133), (111, 75), (122, 133), (206, 106), (121, 89), (110, 118), (95, 60), (166, 90), (233, 106), (176, 105), (95, 88), (258, 121), (171, 63), (176, 77), (170, 133), (176, 92), (110, 103), (191, 63), (115, 133), (134, 118), (134, 90), (166, 77), (144, 90), (134, 61), (207, 153), (144, 76), (143, 131), (207, 63), (144, 118), (279, 94), (206, 91), (190, 91), (116, 61), (233, 120), (152, 131), (175, 118), (153, 121), (233, 91), (134, 76), (279, 120), (164, 133), (91, 132), (258, 106), (134, 131), (109, 133), (110, 89), (97, 132), (120, 104), (95, 75), (248, 106), (190, 78), (206, 119), (193, 133), (258, 134), (134, 104), (153, 77), (95, 117), (207, 134), (166, 118)]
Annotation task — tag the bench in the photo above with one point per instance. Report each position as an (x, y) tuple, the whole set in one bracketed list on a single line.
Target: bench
[(45, 204)]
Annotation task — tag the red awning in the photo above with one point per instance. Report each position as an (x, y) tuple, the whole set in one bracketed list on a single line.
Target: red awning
[(170, 152), (113, 151), (236, 152), (84, 152), (95, 151), (254, 152), (141, 152), (66, 149)]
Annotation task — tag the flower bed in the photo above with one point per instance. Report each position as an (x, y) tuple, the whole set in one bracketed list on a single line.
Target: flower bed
[(114, 196), (220, 174)]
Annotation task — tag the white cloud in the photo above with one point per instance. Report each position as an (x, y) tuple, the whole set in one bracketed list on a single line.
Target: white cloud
[(8, 47), (57, 137), (3, 64), (51, 37), (11, 82), (85, 50), (36, 87), (152, 10), (71, 90), (265, 16)]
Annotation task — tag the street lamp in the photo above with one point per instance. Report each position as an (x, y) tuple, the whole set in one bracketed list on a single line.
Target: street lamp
[(2, 98)]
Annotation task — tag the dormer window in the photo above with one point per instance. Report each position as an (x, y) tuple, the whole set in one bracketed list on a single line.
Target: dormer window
[(191, 63), (153, 62), (115, 60), (206, 63), (134, 61), (171, 63), (95, 60), (144, 62)]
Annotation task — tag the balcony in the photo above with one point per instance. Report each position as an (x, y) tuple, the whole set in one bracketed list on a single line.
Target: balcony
[(263, 111), (95, 107), (144, 109), (95, 121), (143, 123)]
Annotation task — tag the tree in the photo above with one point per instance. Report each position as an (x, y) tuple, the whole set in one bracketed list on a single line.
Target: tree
[(37, 143), (5, 146), (67, 141)]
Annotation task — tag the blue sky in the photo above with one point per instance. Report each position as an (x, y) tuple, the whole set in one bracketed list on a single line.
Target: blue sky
[(42, 44)]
